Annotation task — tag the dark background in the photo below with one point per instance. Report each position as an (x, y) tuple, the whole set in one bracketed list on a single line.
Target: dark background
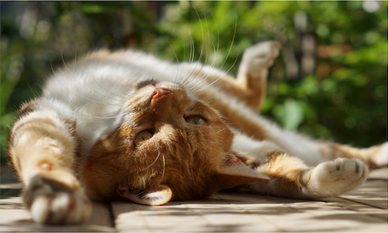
[(329, 81)]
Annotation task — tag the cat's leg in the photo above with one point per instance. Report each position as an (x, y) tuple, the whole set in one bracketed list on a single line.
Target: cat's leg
[(41, 147), (253, 71), (250, 85), (311, 151), (291, 177)]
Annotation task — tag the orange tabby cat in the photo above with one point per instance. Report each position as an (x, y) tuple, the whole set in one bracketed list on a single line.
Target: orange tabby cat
[(127, 126)]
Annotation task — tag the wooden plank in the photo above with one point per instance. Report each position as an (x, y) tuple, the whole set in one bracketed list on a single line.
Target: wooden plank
[(233, 212), (371, 188), (7, 176), (358, 207), (101, 215), (11, 186), (232, 216), (381, 173), (302, 215), (372, 192), (133, 217), (334, 215), (285, 214), (128, 218), (15, 218), (207, 215), (10, 190), (363, 209)]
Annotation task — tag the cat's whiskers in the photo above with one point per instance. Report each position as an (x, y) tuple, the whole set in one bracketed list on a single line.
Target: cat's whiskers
[(222, 129), (76, 80), (164, 166), (201, 54), (176, 58), (212, 44), (218, 40), (51, 65), (119, 94), (63, 60), (210, 41), (178, 73), (221, 76), (157, 157), (186, 79), (75, 64), (76, 112), (211, 148), (76, 94), (35, 94), (114, 94), (230, 48)]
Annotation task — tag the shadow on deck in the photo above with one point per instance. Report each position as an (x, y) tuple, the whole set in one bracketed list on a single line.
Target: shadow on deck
[(363, 209)]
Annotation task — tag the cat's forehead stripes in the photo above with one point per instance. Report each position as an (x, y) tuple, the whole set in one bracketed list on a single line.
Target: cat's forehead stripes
[(146, 83), (196, 105)]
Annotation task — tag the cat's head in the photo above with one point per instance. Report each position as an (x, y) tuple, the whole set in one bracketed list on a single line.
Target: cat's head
[(169, 146)]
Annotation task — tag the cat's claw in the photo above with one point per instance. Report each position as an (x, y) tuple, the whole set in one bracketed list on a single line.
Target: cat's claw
[(260, 57), (333, 178), (50, 203)]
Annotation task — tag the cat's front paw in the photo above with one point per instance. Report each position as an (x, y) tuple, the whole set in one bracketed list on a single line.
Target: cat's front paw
[(51, 203), (260, 57), (333, 178)]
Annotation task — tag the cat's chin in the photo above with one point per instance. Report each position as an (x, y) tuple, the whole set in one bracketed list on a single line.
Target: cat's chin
[(154, 195)]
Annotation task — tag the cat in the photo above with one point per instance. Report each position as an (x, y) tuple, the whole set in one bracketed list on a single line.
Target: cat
[(125, 125)]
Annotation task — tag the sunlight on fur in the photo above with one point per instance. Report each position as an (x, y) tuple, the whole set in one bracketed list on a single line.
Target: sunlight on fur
[(127, 126)]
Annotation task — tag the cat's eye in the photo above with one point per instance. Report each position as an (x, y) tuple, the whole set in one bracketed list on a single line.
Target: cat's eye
[(142, 137), (196, 120)]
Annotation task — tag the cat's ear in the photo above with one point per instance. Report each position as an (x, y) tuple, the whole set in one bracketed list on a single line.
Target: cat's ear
[(155, 195), (234, 172)]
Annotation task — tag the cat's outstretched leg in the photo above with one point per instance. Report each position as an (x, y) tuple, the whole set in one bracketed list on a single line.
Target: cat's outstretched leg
[(290, 177), (42, 151)]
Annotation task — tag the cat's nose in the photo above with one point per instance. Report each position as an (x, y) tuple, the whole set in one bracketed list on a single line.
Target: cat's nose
[(159, 93)]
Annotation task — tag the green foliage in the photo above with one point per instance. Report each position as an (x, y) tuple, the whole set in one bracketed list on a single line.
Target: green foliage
[(347, 104)]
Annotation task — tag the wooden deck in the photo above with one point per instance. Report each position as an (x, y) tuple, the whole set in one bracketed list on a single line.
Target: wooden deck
[(362, 210)]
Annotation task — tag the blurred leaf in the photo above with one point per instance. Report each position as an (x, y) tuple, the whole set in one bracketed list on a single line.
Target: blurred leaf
[(354, 85), (267, 105), (5, 122), (290, 114)]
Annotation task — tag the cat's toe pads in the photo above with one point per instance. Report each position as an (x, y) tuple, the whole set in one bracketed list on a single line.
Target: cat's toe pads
[(333, 178), (50, 205), (260, 56)]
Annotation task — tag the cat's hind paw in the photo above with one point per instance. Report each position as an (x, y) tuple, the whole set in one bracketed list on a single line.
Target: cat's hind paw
[(333, 178), (51, 203)]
